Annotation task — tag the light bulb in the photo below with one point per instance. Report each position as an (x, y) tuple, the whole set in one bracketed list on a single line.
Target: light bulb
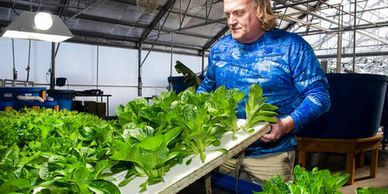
[(43, 21)]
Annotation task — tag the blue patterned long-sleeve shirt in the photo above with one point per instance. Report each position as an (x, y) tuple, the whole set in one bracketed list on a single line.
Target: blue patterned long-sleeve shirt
[(285, 66)]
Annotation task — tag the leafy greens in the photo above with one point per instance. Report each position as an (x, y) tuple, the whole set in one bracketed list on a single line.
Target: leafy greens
[(45, 151)]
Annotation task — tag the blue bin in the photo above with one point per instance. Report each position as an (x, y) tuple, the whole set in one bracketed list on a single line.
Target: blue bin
[(4, 104), (64, 98), (178, 84), (10, 93), (228, 183), (356, 107), (31, 103)]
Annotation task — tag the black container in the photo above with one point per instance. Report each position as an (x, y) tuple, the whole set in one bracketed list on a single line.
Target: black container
[(63, 97), (384, 120), (78, 106), (178, 83), (60, 81), (384, 116), (356, 107), (91, 107)]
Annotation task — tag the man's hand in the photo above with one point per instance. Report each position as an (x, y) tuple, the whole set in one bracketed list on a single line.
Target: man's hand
[(279, 129)]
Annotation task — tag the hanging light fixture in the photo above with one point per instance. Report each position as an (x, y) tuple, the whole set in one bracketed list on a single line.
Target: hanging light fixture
[(38, 26)]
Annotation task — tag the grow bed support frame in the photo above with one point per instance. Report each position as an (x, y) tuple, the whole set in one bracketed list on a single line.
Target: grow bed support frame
[(348, 146)]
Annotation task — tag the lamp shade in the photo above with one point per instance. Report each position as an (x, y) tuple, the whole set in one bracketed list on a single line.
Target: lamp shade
[(27, 26)]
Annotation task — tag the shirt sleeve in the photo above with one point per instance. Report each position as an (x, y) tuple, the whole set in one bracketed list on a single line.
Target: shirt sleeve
[(311, 83), (209, 83)]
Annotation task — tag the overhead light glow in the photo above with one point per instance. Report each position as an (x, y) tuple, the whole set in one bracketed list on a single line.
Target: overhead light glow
[(43, 21)]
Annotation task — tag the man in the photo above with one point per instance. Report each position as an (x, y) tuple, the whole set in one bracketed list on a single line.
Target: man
[(288, 71)]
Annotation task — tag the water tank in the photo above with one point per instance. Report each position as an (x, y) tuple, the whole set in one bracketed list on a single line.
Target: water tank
[(63, 97), (356, 107)]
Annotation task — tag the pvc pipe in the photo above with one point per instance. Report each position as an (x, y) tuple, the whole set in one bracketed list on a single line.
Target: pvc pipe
[(37, 98)]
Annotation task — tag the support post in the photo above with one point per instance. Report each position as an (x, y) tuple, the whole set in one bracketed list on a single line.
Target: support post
[(52, 73), (354, 35), (203, 63), (339, 39), (139, 81)]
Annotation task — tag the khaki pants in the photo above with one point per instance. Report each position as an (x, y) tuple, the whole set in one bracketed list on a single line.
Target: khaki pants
[(263, 168)]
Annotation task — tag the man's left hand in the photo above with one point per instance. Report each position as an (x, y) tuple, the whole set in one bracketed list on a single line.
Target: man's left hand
[(279, 129)]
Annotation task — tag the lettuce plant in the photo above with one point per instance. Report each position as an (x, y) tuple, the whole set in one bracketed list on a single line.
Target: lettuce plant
[(44, 151), (314, 181), (257, 110)]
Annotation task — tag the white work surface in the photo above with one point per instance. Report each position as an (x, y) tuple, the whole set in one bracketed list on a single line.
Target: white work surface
[(182, 175)]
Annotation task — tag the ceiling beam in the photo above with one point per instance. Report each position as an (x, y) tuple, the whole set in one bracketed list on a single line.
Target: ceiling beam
[(347, 55), (171, 11), (305, 23), (306, 11), (62, 9), (379, 8), (350, 28), (86, 8), (287, 5), (156, 19), (136, 25), (135, 40), (81, 15), (108, 20), (291, 24), (91, 40), (4, 24)]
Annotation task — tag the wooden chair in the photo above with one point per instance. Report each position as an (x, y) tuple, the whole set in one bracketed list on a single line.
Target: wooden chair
[(350, 147)]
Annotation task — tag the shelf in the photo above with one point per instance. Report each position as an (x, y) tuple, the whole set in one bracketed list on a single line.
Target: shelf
[(101, 96), (93, 95), (182, 175)]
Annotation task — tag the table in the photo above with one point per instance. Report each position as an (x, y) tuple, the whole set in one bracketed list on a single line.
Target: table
[(348, 146), (182, 175), (149, 98), (107, 96)]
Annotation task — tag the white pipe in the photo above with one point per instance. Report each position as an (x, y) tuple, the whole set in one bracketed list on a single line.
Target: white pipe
[(37, 98)]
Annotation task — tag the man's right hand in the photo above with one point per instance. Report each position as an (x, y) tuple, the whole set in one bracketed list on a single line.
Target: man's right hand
[(278, 130)]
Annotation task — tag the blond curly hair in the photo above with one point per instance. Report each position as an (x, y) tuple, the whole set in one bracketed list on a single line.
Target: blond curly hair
[(265, 14)]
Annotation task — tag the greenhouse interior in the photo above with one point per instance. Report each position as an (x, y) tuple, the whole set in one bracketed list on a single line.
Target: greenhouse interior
[(184, 96)]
